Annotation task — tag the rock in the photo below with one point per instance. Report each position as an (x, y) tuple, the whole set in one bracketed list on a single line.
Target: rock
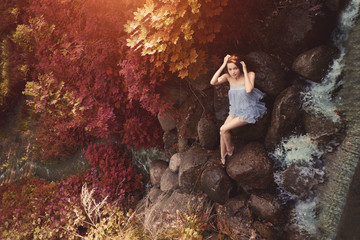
[(170, 142), (175, 162), (286, 116), (251, 168), (153, 194), (314, 63), (216, 183), (208, 134), (322, 129), (227, 218), (191, 167), (169, 181), (299, 179), (266, 207), (296, 30), (167, 122), (162, 215), (270, 76), (156, 169)]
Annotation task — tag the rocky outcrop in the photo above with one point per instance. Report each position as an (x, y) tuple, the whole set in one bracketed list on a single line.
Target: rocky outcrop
[(286, 116), (314, 63), (208, 133), (156, 169), (251, 167), (216, 183), (270, 76)]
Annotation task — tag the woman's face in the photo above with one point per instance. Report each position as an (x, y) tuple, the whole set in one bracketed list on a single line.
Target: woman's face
[(233, 70)]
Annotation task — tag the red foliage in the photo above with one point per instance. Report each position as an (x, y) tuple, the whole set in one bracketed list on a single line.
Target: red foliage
[(116, 173), (79, 44)]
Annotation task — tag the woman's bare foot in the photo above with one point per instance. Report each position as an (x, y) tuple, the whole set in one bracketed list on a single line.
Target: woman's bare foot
[(230, 153)]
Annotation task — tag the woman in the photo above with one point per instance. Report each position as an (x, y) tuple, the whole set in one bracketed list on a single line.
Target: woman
[(245, 105)]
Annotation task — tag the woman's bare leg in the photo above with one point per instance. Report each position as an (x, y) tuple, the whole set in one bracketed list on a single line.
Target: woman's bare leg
[(223, 149), (225, 135)]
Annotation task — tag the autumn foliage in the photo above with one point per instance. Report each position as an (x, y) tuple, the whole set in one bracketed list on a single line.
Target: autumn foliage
[(91, 72)]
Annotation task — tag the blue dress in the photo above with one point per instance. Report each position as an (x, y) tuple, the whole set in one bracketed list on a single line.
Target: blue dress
[(245, 105)]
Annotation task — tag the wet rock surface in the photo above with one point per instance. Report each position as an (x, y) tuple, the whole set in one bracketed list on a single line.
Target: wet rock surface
[(323, 130), (286, 116), (314, 63)]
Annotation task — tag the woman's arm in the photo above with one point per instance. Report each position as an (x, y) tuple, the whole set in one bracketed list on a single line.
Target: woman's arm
[(249, 78), (216, 79)]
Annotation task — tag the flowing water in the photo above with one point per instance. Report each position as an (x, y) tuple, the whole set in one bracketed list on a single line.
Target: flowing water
[(337, 98)]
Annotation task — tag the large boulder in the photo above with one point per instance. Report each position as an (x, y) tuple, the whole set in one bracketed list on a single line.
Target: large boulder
[(156, 169), (169, 181), (296, 30), (314, 63), (251, 167), (270, 76), (286, 116), (192, 164), (299, 180), (208, 133), (266, 207), (162, 214), (322, 129), (216, 183)]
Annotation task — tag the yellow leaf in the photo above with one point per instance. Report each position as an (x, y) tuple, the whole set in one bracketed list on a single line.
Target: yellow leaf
[(183, 73)]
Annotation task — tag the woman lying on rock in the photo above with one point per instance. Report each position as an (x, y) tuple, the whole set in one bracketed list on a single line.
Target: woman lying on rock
[(245, 106)]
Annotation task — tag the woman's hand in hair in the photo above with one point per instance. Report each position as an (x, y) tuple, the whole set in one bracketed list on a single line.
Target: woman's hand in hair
[(226, 58)]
